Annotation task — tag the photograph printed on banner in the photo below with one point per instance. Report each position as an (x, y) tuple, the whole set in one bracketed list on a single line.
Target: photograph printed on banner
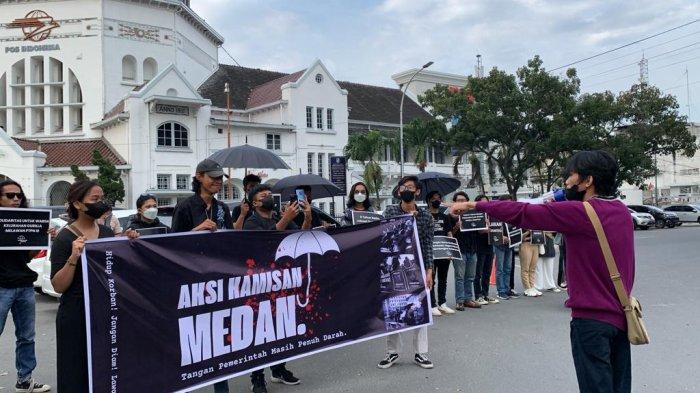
[(403, 311)]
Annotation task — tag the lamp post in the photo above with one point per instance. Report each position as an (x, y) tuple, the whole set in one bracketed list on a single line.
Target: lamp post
[(229, 184), (403, 95)]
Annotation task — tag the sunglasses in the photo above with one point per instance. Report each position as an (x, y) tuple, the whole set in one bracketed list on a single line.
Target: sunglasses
[(13, 195)]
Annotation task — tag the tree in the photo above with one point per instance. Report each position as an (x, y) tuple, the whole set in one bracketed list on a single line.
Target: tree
[(421, 135), (78, 175), (109, 178), (365, 148)]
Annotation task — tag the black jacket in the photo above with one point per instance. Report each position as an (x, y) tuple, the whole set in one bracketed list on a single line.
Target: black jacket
[(135, 222)]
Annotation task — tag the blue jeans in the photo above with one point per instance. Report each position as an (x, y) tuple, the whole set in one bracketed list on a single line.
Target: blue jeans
[(504, 254), (21, 302), (465, 269)]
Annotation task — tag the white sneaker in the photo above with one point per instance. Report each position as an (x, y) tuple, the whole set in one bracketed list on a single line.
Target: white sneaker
[(445, 310), (556, 290), (531, 292), (436, 312), (482, 301), (538, 292)]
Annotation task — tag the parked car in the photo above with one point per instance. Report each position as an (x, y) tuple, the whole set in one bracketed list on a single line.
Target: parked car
[(642, 220), (662, 218), (686, 213)]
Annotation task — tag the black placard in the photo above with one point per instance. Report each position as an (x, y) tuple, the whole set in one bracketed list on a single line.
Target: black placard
[(537, 237), (24, 229), (445, 247), (338, 170), (473, 221), (360, 217), (496, 233), (152, 231), (515, 235)]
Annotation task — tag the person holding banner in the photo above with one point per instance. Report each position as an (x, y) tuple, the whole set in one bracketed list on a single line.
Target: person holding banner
[(600, 344), (146, 215), (263, 219), (85, 207), (17, 295), (504, 255), (544, 275), (443, 224), (484, 265), (465, 269), (241, 212), (409, 189), (358, 200), (529, 255)]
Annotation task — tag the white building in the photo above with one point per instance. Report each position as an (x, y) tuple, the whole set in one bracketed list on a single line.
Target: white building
[(141, 82), (679, 178)]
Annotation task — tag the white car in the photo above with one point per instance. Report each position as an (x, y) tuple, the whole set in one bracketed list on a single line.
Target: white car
[(642, 220), (686, 213)]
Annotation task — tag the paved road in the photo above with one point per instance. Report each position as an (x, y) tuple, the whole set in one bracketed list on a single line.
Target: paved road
[(518, 345)]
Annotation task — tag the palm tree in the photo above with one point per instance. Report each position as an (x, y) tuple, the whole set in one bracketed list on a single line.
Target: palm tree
[(421, 135), (365, 148)]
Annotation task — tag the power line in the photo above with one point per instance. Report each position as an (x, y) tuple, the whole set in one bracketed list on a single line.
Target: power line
[(625, 45), (648, 58), (229, 55), (637, 74)]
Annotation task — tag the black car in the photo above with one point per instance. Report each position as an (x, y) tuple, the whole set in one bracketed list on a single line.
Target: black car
[(663, 218)]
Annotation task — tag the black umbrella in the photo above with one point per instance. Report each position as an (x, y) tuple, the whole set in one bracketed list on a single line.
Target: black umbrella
[(435, 181), (320, 187), (247, 156)]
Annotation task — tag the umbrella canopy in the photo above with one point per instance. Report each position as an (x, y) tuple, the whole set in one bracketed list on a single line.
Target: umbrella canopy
[(320, 187), (435, 181), (247, 156)]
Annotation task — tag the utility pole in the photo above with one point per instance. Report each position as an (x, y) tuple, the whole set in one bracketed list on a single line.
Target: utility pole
[(229, 184), (687, 90), (656, 181), (643, 71)]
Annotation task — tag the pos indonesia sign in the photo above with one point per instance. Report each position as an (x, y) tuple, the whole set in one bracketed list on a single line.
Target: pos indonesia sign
[(181, 311)]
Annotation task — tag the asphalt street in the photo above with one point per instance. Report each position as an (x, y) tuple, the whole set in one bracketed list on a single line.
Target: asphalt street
[(517, 345)]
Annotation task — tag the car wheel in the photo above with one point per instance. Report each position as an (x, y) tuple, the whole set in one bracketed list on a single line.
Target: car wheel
[(660, 223), (698, 220), (645, 228), (672, 225), (636, 226)]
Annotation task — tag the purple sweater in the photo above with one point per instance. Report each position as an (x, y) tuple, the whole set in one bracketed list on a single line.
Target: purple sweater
[(591, 291)]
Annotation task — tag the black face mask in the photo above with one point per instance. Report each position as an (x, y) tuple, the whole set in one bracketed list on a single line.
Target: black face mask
[(435, 204), (97, 209), (573, 194), (268, 203), (408, 196)]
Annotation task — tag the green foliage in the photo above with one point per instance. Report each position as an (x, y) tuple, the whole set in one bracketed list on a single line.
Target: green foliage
[(78, 175), (109, 178), (422, 134), (366, 148)]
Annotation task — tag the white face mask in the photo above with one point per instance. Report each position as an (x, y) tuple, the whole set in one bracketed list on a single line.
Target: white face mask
[(360, 197), (150, 213)]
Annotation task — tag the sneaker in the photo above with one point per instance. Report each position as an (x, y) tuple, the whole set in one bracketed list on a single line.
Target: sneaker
[(492, 300), (530, 292), (284, 376), (31, 386), (460, 307), (436, 312), (503, 297), (471, 304), (445, 310), (423, 361), (538, 292), (258, 384), (388, 360), (482, 301), (556, 290), (563, 285), (513, 295)]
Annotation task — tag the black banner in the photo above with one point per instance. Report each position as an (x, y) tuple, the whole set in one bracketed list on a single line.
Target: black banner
[(359, 217), (445, 247), (24, 229), (180, 311), (537, 237), (473, 221)]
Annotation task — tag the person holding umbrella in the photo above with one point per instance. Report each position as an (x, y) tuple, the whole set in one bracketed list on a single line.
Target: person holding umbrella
[(358, 200), (262, 219), (241, 212), (316, 220)]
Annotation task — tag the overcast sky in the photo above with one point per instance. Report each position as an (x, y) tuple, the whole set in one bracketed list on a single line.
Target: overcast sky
[(368, 41)]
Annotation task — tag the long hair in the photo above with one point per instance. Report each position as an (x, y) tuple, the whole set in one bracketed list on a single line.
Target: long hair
[(351, 197), (23, 202), (196, 185), (77, 193)]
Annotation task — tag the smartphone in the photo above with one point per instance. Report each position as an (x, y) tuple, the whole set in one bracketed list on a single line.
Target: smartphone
[(301, 196)]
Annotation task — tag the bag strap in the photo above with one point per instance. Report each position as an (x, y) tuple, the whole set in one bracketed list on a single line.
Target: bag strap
[(74, 230), (607, 253)]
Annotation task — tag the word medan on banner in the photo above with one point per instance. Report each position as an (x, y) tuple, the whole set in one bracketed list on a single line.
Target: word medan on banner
[(181, 311), (24, 229)]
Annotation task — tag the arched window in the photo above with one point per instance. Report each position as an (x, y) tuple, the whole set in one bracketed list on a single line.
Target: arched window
[(150, 69), (129, 68), (58, 193), (172, 134), (236, 192)]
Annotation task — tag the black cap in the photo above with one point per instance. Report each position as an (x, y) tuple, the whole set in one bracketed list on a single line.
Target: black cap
[(211, 168)]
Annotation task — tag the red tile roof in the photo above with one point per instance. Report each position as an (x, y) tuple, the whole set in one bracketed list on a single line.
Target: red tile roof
[(270, 91), (76, 152)]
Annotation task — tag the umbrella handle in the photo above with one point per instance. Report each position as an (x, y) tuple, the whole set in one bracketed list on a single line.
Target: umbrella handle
[(308, 282)]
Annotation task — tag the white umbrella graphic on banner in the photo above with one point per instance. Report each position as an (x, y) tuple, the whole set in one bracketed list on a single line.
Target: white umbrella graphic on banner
[(306, 242)]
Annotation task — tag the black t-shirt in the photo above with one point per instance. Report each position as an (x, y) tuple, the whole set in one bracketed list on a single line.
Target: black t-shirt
[(193, 211), (315, 219), (61, 248), (467, 241), (236, 212), (14, 272), (483, 243), (257, 222), (442, 222)]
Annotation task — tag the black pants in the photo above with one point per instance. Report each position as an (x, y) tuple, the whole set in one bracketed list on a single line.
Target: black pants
[(601, 356), (71, 346), (275, 369), (482, 278), (512, 271), (561, 277), (440, 268)]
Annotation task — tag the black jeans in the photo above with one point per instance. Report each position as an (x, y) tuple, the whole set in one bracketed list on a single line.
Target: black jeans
[(561, 277), (512, 271), (440, 268), (601, 356), (482, 279)]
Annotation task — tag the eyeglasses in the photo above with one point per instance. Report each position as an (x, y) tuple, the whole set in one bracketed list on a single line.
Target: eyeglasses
[(13, 195), (405, 188)]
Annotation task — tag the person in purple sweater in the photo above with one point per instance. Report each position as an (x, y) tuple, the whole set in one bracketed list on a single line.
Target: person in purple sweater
[(599, 342)]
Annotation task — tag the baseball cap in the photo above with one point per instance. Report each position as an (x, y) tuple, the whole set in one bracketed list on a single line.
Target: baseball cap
[(211, 168)]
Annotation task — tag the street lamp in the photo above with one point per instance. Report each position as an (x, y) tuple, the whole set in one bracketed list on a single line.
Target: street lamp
[(229, 185), (403, 95)]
